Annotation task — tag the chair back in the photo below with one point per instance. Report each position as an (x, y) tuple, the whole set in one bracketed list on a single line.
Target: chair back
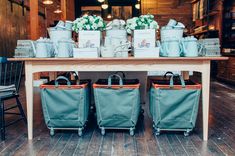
[(11, 73)]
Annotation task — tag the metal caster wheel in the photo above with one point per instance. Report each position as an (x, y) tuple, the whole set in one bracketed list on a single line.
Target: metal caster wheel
[(132, 133), (102, 131), (157, 132), (52, 132), (80, 132), (142, 111), (186, 133)]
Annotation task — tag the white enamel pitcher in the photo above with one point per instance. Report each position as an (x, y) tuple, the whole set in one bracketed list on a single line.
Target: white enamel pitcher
[(42, 48), (191, 47), (170, 48), (122, 50)]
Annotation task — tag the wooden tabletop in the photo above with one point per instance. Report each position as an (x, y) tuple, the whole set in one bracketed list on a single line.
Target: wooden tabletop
[(118, 59)]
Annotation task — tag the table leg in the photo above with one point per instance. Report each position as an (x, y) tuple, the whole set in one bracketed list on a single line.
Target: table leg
[(29, 97), (185, 75), (52, 76), (205, 97)]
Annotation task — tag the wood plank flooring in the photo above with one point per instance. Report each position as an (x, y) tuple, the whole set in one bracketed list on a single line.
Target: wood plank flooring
[(120, 143)]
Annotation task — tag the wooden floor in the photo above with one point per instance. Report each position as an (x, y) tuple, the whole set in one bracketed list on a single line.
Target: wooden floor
[(221, 135)]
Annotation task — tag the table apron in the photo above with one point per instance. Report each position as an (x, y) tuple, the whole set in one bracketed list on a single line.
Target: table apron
[(107, 66)]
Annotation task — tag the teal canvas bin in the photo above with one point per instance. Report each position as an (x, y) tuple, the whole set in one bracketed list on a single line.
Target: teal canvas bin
[(117, 103), (65, 104), (174, 105)]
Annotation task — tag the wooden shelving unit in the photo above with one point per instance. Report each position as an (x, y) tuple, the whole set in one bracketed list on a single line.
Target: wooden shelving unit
[(228, 24), (226, 69), (210, 15), (204, 31), (194, 1)]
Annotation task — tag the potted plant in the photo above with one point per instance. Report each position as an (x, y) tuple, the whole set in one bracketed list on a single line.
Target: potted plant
[(144, 28), (89, 28)]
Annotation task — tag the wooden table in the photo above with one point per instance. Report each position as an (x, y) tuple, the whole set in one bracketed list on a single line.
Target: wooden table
[(198, 64)]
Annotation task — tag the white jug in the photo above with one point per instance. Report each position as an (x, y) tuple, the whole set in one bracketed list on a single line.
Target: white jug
[(42, 48), (171, 48), (191, 47), (122, 50), (107, 51)]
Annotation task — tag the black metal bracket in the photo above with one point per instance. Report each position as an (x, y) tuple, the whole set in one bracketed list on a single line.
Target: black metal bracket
[(22, 4)]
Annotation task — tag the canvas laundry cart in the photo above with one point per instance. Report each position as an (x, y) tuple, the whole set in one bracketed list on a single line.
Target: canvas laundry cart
[(65, 104), (174, 104), (117, 103)]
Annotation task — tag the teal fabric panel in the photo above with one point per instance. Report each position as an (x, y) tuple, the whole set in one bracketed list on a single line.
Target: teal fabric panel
[(173, 108), (67, 108), (3, 59), (117, 107)]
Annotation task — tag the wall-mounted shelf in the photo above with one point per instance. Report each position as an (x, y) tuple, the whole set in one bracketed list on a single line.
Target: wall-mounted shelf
[(204, 31), (209, 16), (228, 25), (194, 1), (212, 13)]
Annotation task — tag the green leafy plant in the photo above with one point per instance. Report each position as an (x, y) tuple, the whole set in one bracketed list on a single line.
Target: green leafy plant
[(89, 23), (142, 22)]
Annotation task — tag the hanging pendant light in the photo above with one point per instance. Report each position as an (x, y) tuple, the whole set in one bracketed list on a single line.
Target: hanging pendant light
[(137, 5), (105, 5), (101, 1), (109, 16), (47, 2), (58, 10)]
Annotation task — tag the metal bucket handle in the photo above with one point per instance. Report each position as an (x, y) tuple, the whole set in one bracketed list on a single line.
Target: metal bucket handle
[(62, 78), (116, 75), (121, 72), (181, 80)]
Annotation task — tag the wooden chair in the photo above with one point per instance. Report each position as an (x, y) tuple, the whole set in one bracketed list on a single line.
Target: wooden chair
[(10, 74)]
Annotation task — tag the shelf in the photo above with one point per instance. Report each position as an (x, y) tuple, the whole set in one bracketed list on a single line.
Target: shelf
[(212, 13), (194, 1), (203, 32), (232, 54)]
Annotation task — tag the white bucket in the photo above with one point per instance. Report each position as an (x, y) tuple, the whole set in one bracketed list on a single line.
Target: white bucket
[(56, 35), (167, 34), (116, 33)]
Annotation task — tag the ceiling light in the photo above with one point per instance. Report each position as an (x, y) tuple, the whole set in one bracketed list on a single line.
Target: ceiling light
[(109, 16), (47, 2), (104, 6), (137, 6), (58, 10), (101, 1)]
